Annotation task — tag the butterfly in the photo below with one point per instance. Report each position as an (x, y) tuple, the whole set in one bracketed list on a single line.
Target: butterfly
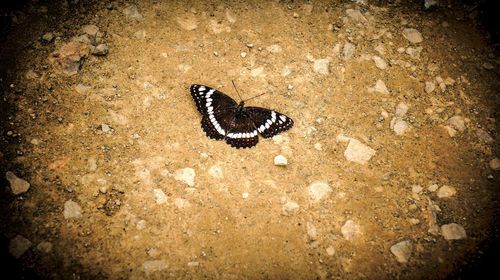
[(239, 126)]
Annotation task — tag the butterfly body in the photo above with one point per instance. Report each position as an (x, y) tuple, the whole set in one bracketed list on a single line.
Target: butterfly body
[(239, 126)]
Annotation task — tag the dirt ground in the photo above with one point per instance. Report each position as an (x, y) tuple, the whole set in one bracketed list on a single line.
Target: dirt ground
[(125, 184)]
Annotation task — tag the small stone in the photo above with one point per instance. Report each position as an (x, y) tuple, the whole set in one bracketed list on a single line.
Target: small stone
[(181, 203), (18, 246), (141, 224), (159, 196), (132, 12), (153, 266), (44, 247), (330, 251), (312, 233), (451, 131), (318, 146), (430, 86), (258, 72), (401, 109), (295, 15), (72, 210), (105, 128), (416, 189), (446, 192), (91, 164), (192, 264), (321, 66), (319, 190), (101, 50), (414, 221), (48, 37), (348, 51), (274, 48), (243, 54), (358, 152), (399, 126), (185, 175), (412, 35), (17, 185), (379, 87), (280, 160), (433, 188), (356, 15), (82, 89), (488, 66), (495, 164), (379, 62), (231, 17), (67, 58), (402, 251), (350, 229), (140, 34), (414, 52), (484, 136), (216, 172), (103, 189), (245, 195), (457, 122), (290, 207), (430, 3), (453, 231), (287, 70), (90, 29)]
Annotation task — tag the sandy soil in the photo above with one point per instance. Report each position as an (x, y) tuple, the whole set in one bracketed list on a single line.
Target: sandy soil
[(102, 148)]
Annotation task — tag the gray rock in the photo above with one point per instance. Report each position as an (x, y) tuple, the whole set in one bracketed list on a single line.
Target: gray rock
[(132, 12), (319, 190), (402, 251), (280, 160), (350, 229), (153, 266), (348, 50), (18, 246), (101, 50), (379, 62), (48, 37), (412, 35), (185, 175), (216, 172), (446, 192), (457, 122), (453, 231), (105, 128), (17, 185), (358, 152), (72, 210), (159, 196), (321, 66)]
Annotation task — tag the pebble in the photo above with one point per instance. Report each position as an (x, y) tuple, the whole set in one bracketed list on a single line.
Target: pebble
[(185, 175), (44, 247), (430, 86), (187, 23), (432, 210), (17, 185), (453, 231), (245, 195), (153, 266), (379, 87), (67, 58), (488, 66), (91, 164), (192, 264), (348, 50), (132, 12), (90, 29), (330, 251), (356, 15), (216, 172), (379, 62), (430, 3), (433, 188), (243, 54), (140, 34), (350, 229), (321, 66), (274, 48), (181, 203), (312, 233), (402, 251), (400, 127), (72, 210), (231, 17), (291, 207), (141, 224), (105, 128), (319, 190), (280, 160), (18, 246), (159, 196), (287, 70), (258, 72), (82, 89), (457, 122), (318, 146), (358, 152), (412, 35), (101, 50), (414, 52), (495, 164), (401, 109), (446, 192), (416, 189), (484, 136), (48, 37)]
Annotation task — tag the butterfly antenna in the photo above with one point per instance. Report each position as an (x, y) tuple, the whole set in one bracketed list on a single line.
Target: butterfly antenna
[(255, 96), (236, 90)]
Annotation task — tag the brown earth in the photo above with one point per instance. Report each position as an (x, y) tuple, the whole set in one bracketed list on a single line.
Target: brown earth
[(115, 132)]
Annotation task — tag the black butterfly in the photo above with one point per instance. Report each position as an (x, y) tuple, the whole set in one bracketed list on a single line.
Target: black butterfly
[(224, 119)]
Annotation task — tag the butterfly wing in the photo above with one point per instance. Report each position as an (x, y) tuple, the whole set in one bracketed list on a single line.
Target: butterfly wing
[(242, 133), (268, 122), (208, 99)]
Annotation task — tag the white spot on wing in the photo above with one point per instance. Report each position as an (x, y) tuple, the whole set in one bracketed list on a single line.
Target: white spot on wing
[(202, 88)]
